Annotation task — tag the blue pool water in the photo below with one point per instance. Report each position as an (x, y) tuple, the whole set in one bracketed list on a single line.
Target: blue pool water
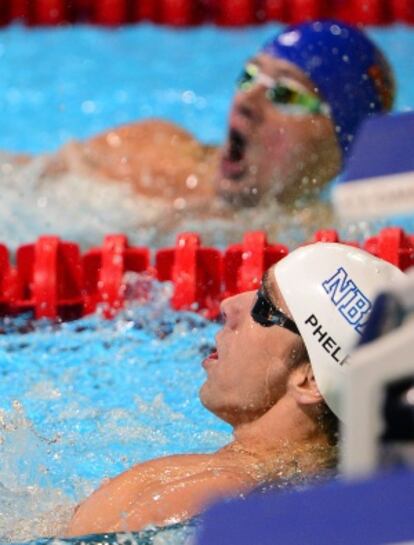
[(85, 400)]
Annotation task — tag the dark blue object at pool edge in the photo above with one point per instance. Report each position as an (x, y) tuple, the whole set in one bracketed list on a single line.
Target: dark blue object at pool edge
[(384, 146), (377, 511)]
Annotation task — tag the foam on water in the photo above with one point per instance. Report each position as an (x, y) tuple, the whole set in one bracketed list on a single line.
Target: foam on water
[(29, 503), (78, 208), (85, 209)]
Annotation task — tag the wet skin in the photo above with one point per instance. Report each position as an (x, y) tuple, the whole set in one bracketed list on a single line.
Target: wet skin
[(267, 153), (273, 408)]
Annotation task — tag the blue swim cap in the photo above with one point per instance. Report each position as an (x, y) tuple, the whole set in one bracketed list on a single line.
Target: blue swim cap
[(349, 71)]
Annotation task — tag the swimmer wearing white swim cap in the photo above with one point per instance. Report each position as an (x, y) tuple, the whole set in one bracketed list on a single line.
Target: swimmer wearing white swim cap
[(330, 294), (275, 376)]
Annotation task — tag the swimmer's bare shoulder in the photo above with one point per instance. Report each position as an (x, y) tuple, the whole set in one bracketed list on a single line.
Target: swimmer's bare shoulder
[(159, 492), (157, 157)]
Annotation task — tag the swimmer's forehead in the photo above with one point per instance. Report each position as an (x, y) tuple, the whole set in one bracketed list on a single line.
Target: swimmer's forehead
[(270, 284), (277, 68)]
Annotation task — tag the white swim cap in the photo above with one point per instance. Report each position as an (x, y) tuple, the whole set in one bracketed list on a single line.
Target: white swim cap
[(329, 289)]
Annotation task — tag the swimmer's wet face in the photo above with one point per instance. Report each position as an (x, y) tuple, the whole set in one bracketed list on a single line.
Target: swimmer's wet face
[(249, 373), (281, 139)]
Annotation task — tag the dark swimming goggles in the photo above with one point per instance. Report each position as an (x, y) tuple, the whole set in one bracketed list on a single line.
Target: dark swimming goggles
[(266, 314), (286, 93)]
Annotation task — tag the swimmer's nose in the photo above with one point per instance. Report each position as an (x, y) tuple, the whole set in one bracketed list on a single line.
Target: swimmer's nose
[(246, 111), (230, 311), (223, 313), (250, 104)]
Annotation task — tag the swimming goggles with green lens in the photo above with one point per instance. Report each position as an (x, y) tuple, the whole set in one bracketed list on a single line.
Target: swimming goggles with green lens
[(266, 314), (287, 94)]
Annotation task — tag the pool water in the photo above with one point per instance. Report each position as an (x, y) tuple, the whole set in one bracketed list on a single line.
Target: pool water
[(87, 399), (84, 400)]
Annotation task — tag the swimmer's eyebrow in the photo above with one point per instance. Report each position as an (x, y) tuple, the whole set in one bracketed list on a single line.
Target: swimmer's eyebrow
[(284, 72), (269, 288)]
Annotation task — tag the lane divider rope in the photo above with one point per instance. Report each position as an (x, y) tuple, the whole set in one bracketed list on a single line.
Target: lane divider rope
[(184, 13), (52, 279)]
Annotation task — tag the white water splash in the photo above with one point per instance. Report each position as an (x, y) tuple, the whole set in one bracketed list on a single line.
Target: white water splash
[(29, 505), (84, 209), (74, 207)]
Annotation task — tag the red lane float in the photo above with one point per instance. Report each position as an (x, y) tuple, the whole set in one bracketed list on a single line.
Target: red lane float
[(47, 12), (81, 10), (330, 235), (144, 10), (189, 12), (109, 12), (306, 10), (178, 12), (206, 10), (49, 279), (393, 245), (5, 16), (244, 264), (17, 9), (403, 11), (326, 235), (104, 269), (235, 12), (196, 273), (276, 10), (342, 10), (369, 12)]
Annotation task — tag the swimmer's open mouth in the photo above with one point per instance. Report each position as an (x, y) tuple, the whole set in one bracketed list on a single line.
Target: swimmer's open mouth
[(237, 145), (233, 165), (212, 357)]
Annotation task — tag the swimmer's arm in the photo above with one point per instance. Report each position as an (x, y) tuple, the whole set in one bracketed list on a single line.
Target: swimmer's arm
[(158, 504)]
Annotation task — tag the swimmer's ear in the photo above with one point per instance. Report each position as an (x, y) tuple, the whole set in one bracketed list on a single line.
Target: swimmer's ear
[(302, 385)]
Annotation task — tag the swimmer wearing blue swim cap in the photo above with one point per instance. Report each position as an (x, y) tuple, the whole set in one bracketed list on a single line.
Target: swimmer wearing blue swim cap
[(299, 103), (348, 70)]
